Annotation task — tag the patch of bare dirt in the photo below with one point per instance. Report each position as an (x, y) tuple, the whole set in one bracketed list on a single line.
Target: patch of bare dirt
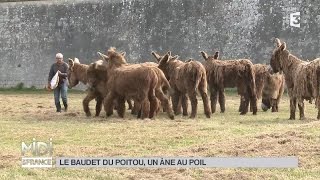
[(289, 143), (8, 160), (71, 114)]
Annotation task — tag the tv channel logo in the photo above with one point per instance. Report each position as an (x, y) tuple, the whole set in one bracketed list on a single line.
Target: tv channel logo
[(295, 19), (37, 154)]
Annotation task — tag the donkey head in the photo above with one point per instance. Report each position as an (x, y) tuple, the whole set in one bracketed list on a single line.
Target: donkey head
[(277, 56), (114, 58), (72, 74)]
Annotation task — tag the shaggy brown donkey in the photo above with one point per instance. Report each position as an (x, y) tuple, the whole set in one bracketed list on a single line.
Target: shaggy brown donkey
[(272, 92), (269, 87), (302, 78), (185, 78), (137, 82), (162, 82), (230, 73), (78, 72)]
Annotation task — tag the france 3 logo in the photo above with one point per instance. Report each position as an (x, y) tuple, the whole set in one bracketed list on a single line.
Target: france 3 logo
[(295, 19)]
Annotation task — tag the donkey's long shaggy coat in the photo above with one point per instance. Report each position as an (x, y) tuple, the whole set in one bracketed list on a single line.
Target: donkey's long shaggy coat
[(302, 78), (230, 73), (185, 78), (136, 82)]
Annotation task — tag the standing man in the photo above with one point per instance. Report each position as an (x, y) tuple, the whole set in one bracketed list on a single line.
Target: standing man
[(62, 68)]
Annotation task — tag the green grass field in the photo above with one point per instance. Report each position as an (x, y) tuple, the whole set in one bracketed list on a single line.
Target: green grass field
[(32, 115)]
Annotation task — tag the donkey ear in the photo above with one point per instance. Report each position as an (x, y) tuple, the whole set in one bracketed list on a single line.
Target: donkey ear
[(123, 53), (105, 57), (216, 55), (157, 56), (165, 59), (204, 55), (189, 60), (174, 57), (76, 60), (278, 42), (169, 52), (283, 46)]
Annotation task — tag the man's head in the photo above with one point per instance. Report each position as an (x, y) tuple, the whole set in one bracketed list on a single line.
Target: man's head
[(59, 58)]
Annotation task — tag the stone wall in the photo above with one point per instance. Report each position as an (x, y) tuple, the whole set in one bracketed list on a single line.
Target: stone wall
[(31, 33)]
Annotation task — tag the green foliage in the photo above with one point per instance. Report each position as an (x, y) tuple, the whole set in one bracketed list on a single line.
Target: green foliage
[(19, 86)]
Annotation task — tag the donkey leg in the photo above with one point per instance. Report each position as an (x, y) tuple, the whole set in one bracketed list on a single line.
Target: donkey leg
[(166, 93), (317, 103), (85, 103), (204, 96), (153, 103), (213, 99), (99, 102), (250, 107), (145, 108), (253, 104), (121, 106), (108, 104), (222, 100), (301, 110), (293, 105), (154, 107), (184, 102), (274, 105), (165, 103), (241, 103), (194, 104), (136, 108), (179, 105), (139, 113), (245, 105), (175, 102)]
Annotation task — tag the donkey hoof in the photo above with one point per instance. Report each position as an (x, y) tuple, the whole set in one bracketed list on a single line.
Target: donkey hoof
[(291, 118), (88, 114), (302, 118)]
